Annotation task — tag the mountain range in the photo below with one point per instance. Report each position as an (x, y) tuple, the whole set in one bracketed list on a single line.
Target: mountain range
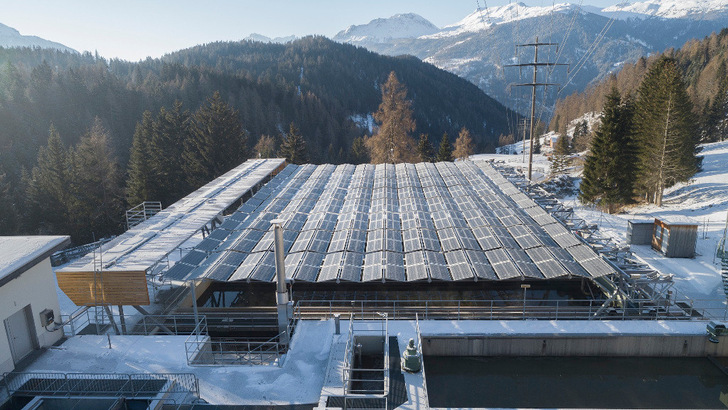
[(593, 41), (10, 37)]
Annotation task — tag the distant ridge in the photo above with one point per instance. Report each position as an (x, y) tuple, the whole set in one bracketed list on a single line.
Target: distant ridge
[(10, 37)]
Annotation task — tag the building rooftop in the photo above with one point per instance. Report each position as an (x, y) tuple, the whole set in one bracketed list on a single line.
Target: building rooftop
[(20, 253), (142, 247), (460, 221)]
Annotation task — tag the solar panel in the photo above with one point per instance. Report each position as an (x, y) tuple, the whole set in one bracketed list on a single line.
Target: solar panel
[(480, 265), (547, 263), (459, 265), (567, 261), (307, 266), (502, 264)]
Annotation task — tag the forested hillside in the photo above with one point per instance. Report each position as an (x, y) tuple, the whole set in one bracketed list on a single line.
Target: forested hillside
[(83, 104), (703, 65)]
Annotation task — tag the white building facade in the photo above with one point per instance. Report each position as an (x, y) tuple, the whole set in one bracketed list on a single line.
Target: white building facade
[(29, 308)]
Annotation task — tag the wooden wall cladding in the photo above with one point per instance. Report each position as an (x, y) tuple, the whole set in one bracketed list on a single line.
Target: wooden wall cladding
[(112, 288)]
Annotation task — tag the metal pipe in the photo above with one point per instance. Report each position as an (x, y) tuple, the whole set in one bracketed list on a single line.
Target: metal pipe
[(281, 291)]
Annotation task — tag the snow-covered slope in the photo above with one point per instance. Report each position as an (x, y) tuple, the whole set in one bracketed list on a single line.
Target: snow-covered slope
[(597, 40), (486, 18), (669, 9), (10, 37), (399, 26), (266, 39), (704, 199)]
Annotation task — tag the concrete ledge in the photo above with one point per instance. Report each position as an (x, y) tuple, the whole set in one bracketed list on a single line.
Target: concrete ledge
[(574, 345)]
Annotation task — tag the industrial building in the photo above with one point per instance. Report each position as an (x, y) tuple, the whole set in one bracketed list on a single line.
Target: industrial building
[(268, 265), (28, 301)]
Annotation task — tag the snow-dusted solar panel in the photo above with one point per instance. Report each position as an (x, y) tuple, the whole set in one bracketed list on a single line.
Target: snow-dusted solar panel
[(502, 264)]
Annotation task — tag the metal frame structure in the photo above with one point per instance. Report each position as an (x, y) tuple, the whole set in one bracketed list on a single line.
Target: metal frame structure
[(374, 324)]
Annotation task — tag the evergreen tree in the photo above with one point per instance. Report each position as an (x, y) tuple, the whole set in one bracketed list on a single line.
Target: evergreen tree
[(359, 153), (665, 130), (445, 152), (140, 182), (716, 128), (463, 145), (560, 156), (8, 210), (392, 142), (166, 147), (293, 148), (425, 150), (217, 142), (609, 169), (96, 207), (580, 137), (48, 197), (265, 147)]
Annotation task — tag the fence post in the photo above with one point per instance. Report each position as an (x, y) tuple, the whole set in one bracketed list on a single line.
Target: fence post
[(458, 310), (557, 310), (131, 385)]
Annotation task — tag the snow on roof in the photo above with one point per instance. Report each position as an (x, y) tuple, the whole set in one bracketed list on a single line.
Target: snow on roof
[(677, 220), (143, 246), (19, 253)]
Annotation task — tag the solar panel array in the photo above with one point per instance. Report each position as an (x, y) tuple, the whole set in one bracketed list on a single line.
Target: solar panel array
[(143, 246), (460, 221)]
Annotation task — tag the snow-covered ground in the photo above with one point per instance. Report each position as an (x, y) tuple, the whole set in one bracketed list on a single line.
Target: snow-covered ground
[(704, 199), (299, 380)]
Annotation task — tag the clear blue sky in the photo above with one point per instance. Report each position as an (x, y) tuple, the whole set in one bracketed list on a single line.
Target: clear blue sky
[(135, 29)]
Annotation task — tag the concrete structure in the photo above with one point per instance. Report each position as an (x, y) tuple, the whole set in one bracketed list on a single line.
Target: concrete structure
[(28, 299), (675, 238)]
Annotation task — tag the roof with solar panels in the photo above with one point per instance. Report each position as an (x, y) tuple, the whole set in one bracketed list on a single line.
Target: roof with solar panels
[(447, 221)]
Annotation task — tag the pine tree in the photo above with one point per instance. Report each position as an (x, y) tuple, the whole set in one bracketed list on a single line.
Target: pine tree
[(96, 207), (560, 156), (716, 128), (463, 145), (217, 142), (265, 147), (293, 148), (359, 153), (48, 197), (445, 152), (392, 142), (665, 129), (425, 150), (580, 137), (8, 213), (609, 169), (166, 147), (139, 184)]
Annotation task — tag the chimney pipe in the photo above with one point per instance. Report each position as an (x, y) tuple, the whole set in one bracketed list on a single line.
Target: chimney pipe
[(281, 291)]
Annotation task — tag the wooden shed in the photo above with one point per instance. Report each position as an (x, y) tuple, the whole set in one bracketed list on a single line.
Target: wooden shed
[(675, 238)]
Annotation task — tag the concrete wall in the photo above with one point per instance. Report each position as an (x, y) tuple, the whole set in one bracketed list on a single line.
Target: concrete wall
[(37, 288), (577, 345)]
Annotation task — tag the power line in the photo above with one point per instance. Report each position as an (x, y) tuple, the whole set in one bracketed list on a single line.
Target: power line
[(533, 84)]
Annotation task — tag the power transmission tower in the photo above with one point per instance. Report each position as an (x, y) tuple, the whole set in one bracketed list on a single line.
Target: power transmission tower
[(535, 64)]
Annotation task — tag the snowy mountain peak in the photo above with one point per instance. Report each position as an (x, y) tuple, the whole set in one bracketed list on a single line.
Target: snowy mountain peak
[(265, 39), (10, 37), (700, 9), (488, 17), (399, 26)]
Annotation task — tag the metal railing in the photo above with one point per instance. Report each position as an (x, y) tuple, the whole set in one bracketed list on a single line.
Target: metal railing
[(142, 212), (67, 255), (422, 358), (366, 327), (682, 309), (148, 385), (201, 350)]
